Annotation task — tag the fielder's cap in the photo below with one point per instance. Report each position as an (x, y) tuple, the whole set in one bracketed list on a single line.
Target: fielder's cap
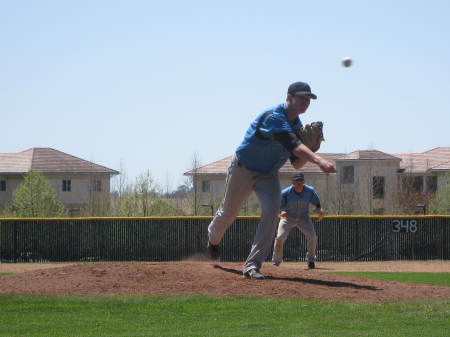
[(298, 177), (301, 89)]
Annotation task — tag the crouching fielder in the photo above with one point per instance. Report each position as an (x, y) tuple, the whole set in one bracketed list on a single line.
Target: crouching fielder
[(295, 201)]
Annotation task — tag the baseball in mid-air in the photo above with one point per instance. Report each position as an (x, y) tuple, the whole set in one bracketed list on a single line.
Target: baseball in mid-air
[(347, 62)]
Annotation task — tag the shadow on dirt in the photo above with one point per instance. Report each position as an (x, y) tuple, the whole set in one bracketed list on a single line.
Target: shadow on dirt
[(319, 282)]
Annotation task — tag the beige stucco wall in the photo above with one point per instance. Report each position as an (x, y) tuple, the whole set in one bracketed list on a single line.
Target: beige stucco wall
[(362, 189), (335, 195), (443, 179), (12, 182), (322, 183), (80, 187)]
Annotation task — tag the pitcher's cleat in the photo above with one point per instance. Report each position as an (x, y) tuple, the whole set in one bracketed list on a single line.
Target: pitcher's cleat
[(254, 274), (213, 251)]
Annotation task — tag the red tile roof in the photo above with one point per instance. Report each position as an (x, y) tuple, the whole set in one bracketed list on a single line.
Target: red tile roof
[(310, 167), (217, 167), (49, 161), (221, 166), (435, 160), (368, 155), (16, 162)]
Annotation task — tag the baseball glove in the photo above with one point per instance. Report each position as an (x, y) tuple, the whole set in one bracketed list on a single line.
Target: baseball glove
[(312, 135)]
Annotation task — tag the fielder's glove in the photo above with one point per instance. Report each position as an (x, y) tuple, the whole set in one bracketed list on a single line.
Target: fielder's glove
[(320, 214), (312, 135)]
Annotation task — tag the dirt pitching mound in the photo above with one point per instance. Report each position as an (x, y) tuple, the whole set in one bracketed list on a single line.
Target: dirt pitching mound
[(217, 279)]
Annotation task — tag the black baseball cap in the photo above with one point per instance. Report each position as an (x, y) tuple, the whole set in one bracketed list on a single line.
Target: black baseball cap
[(301, 89), (298, 177)]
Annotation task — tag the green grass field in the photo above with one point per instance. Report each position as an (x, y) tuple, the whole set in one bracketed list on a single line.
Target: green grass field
[(85, 316), (209, 316), (438, 279)]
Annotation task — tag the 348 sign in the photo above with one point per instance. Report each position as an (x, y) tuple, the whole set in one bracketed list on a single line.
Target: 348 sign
[(404, 226)]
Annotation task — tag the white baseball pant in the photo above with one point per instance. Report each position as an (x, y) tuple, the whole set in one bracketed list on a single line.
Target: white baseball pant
[(239, 185), (284, 227)]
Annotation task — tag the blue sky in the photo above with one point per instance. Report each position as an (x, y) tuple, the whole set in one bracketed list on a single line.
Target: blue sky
[(146, 84)]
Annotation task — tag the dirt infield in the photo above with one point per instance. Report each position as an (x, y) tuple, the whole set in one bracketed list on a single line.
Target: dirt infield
[(218, 279)]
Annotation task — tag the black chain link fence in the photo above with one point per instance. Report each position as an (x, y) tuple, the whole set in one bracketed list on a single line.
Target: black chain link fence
[(341, 238)]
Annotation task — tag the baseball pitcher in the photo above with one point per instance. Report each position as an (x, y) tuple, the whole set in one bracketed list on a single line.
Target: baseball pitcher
[(275, 136)]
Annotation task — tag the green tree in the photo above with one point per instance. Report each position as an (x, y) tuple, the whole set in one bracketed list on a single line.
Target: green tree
[(164, 207), (145, 198), (192, 184), (127, 205), (138, 200), (35, 197), (440, 204)]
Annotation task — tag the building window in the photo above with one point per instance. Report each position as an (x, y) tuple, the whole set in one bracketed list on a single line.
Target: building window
[(348, 175), (378, 187), (66, 185), (378, 211), (431, 184), (74, 211), (412, 184), (206, 186), (2, 185), (97, 185)]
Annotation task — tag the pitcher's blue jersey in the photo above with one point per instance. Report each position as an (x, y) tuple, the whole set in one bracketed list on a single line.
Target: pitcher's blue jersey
[(265, 155), (297, 204)]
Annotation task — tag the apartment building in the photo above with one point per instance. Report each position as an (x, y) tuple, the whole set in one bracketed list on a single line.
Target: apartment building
[(75, 180), (366, 181)]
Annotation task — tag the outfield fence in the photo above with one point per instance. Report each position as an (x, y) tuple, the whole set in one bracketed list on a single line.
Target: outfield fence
[(341, 238)]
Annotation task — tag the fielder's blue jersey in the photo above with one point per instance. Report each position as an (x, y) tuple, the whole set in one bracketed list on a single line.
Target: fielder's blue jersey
[(265, 155), (297, 204)]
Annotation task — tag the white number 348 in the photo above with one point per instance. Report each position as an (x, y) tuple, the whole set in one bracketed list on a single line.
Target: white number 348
[(408, 226)]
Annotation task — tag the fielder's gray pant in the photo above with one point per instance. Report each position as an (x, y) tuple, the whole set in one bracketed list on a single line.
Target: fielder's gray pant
[(285, 226), (239, 184)]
